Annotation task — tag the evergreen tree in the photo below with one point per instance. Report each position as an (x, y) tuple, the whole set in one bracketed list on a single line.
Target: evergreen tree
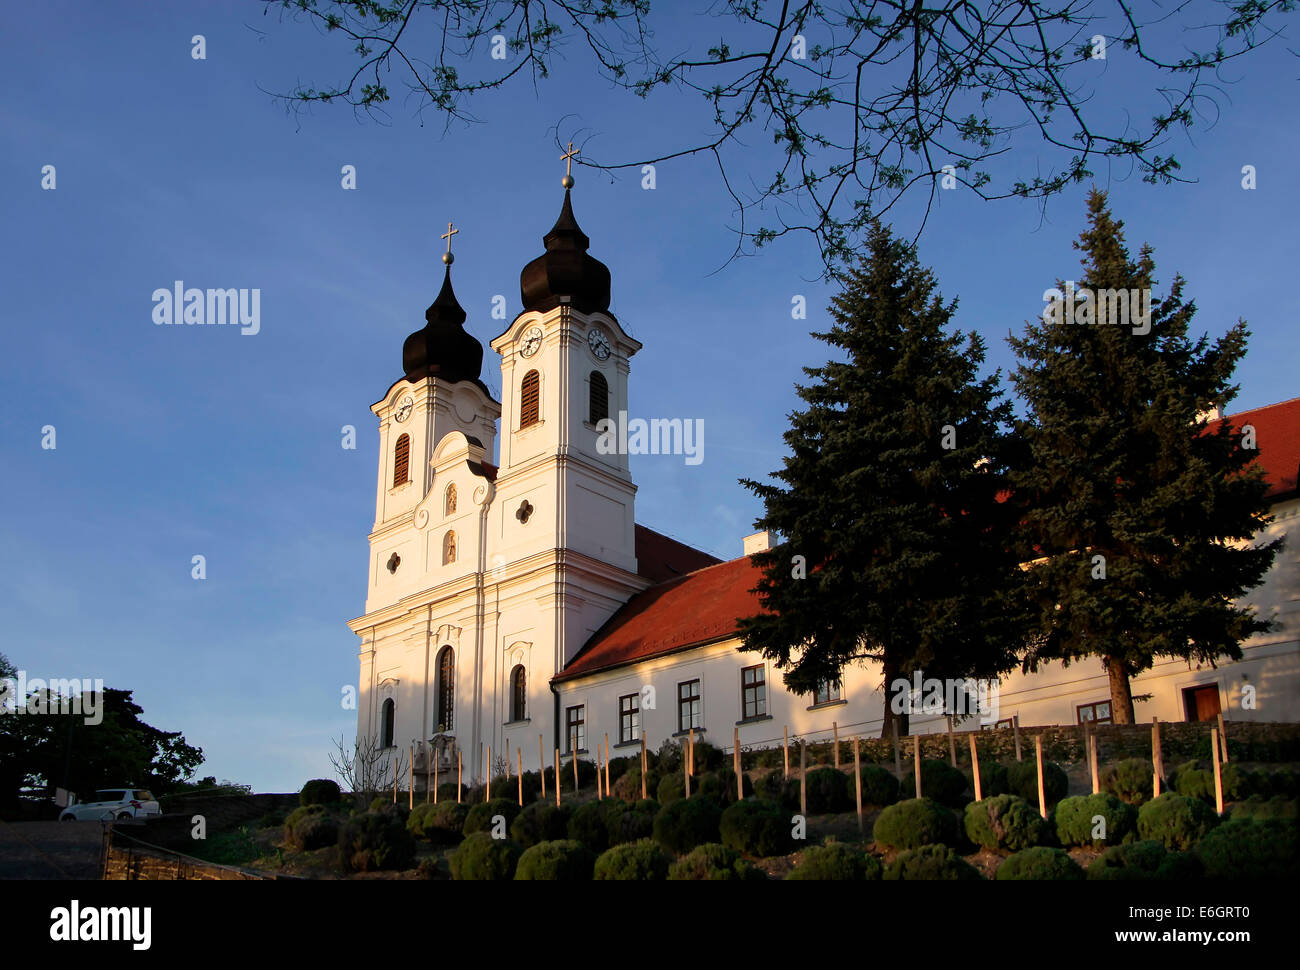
[(1134, 505), (891, 538)]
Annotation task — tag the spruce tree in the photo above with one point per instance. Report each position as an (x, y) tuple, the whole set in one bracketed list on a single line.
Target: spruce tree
[(891, 540), (1139, 517)]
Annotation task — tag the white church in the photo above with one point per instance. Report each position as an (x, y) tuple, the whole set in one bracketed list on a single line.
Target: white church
[(514, 605)]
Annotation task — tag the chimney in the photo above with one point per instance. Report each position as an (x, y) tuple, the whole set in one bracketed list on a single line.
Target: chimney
[(758, 542)]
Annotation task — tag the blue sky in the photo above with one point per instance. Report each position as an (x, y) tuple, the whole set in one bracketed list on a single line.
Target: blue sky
[(182, 441)]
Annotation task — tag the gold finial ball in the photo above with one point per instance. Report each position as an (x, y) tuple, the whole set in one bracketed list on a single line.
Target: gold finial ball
[(448, 258), (567, 181)]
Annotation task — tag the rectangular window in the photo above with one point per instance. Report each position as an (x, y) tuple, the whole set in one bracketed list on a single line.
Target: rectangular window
[(826, 692), (688, 706), (1097, 713), (753, 693), (629, 718), (575, 722)]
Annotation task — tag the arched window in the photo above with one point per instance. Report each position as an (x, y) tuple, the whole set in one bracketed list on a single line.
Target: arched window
[(402, 461), (388, 720), (446, 688), (599, 397), (449, 503), (518, 693), (530, 399), (449, 547)]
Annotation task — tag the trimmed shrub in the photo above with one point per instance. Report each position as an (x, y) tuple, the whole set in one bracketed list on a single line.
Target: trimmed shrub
[(1175, 820), (441, 824), (828, 791), (481, 857), (587, 825), (1074, 818), (757, 827), (1129, 780), (1281, 782), (993, 780), (688, 822), (1144, 860), (428, 869), (1039, 862), (913, 823), (311, 827), (1257, 807), (930, 862), (633, 860), (940, 781), (837, 861), (879, 786), (540, 822), (715, 863), (721, 784), (1267, 849), (1005, 822), (631, 823), (1022, 780), (562, 859), (708, 758), (618, 767), (508, 787), (447, 792), (672, 788), (375, 840), (480, 816), (628, 785), (586, 776), (1196, 780), (320, 791), (776, 788)]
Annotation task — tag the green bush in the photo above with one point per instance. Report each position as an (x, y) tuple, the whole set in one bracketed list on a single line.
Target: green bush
[(930, 862), (1074, 818), (708, 758), (441, 824), (721, 784), (1005, 822), (628, 785), (1039, 862), (993, 780), (1175, 820), (940, 781), (446, 792), (1280, 782), (540, 822), (757, 827), (586, 776), (320, 791), (716, 863), (913, 823), (1144, 860), (1258, 808), (618, 767), (311, 827), (1265, 849), (682, 825), (1129, 780), (633, 860), (837, 861), (776, 788), (587, 825), (671, 788), (481, 857), (630, 823), (508, 787), (879, 786), (558, 860), (1022, 780), (375, 840), (828, 791), (480, 816), (1196, 780)]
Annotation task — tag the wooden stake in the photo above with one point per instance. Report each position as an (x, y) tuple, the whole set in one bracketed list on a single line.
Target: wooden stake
[(557, 777), (435, 781), (643, 765), (1015, 726), (410, 781), (835, 727), (1218, 773), (487, 774), (599, 773), (917, 758), (1042, 794), (786, 748), (857, 782), (735, 761), (803, 778), (541, 765), (1157, 756), (690, 752), (898, 757), (428, 769), (458, 776), (520, 753), (606, 762), (1092, 762), (575, 765), (397, 764), (975, 768), (952, 744), (1223, 737)]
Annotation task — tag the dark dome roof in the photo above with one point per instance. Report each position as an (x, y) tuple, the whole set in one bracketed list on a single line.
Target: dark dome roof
[(442, 348), (565, 270)]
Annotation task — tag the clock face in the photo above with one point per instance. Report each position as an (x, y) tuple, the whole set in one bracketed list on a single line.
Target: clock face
[(403, 408), (598, 343), (532, 340)]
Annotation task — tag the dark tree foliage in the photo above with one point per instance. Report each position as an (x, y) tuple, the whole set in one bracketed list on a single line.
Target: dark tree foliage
[(892, 536), (1120, 465), (861, 101)]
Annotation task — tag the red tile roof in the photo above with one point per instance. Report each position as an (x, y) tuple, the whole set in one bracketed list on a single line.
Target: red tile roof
[(659, 558), (704, 606)]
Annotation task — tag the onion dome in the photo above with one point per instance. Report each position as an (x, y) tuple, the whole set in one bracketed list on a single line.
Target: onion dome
[(565, 270), (443, 348)]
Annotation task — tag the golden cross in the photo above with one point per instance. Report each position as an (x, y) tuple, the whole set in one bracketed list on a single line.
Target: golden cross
[(567, 158), (448, 234)]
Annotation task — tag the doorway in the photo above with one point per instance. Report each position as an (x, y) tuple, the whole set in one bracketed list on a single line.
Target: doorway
[(1201, 703)]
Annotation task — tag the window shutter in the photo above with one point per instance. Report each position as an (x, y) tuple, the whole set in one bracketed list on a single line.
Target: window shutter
[(599, 397), (402, 461), (529, 399)]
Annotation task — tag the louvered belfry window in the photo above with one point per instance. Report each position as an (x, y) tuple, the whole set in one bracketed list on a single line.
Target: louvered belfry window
[(529, 399), (402, 461), (599, 397)]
